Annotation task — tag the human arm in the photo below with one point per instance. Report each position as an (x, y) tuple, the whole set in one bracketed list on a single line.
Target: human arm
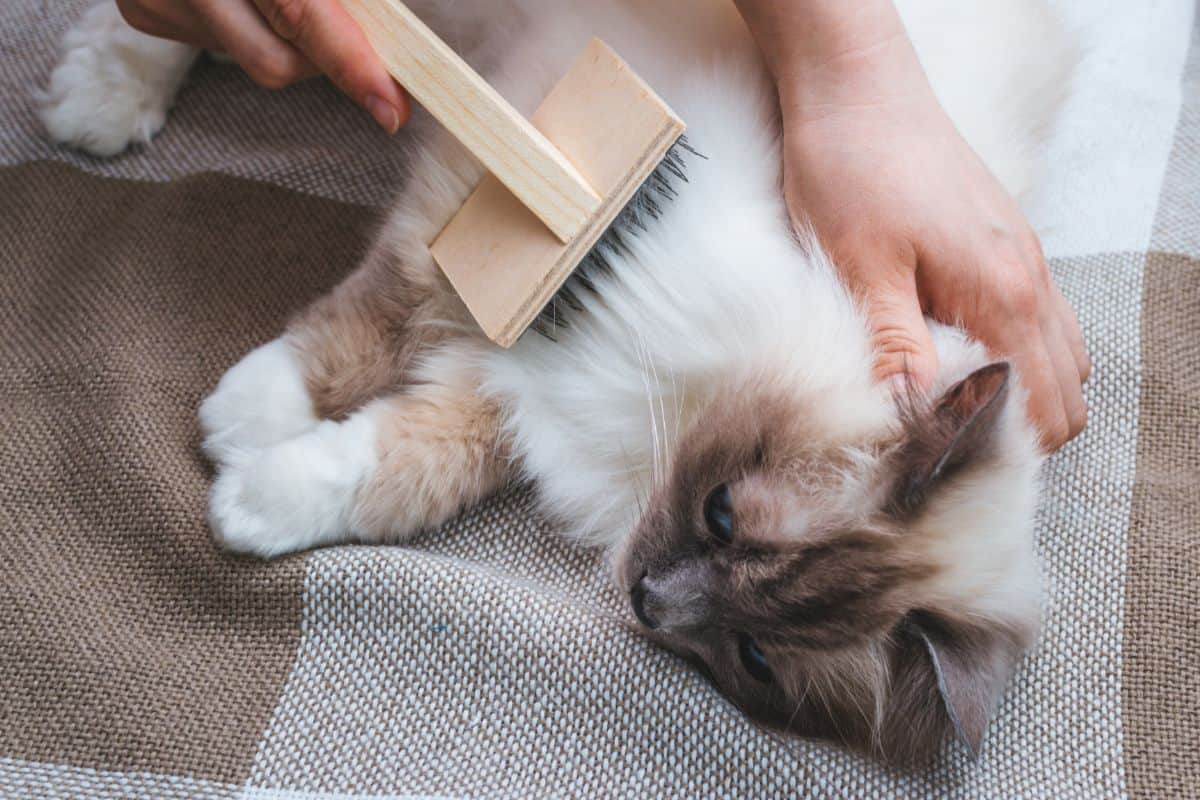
[(915, 222)]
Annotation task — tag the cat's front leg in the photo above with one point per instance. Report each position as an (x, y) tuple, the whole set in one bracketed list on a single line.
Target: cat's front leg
[(403, 463), (295, 494), (113, 85), (344, 350), (262, 400)]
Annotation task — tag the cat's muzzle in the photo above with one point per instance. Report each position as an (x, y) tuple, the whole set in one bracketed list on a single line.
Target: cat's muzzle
[(673, 600)]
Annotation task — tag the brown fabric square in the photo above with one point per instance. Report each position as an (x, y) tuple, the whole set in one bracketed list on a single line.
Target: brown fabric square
[(127, 641), (1161, 689)]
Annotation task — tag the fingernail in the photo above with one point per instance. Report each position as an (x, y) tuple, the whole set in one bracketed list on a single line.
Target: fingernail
[(384, 113)]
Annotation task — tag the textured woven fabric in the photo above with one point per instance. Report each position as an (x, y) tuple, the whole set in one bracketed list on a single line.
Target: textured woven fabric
[(490, 658), (306, 138), (1162, 631)]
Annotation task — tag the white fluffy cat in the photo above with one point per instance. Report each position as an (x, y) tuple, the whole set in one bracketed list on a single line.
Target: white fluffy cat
[(709, 416)]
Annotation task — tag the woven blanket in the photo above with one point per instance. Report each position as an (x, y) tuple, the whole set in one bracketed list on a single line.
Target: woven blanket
[(489, 659)]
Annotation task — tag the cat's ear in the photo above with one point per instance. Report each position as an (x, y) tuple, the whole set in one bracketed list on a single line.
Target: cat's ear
[(946, 681), (958, 429)]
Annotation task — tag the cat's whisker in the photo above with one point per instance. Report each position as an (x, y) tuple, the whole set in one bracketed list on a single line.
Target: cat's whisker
[(824, 692), (799, 704), (650, 406), (852, 691), (602, 510), (677, 396), (631, 475), (654, 440), (665, 454)]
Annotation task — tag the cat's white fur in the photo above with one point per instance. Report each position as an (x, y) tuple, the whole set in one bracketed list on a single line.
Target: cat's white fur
[(262, 400), (113, 85), (297, 493), (722, 287)]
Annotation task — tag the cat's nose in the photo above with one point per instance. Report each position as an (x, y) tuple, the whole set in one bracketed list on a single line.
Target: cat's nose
[(637, 598), (674, 599)]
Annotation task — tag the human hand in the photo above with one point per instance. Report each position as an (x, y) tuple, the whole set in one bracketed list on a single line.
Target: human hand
[(914, 221), (279, 42), (917, 225)]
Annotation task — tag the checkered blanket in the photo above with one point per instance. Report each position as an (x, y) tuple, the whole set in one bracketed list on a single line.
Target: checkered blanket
[(489, 659)]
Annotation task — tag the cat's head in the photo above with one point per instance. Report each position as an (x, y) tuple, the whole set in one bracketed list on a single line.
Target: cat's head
[(876, 589)]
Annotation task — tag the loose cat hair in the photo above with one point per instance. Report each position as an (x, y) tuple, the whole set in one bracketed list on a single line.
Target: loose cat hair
[(842, 562)]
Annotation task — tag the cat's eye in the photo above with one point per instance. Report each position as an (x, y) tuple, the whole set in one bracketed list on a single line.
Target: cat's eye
[(754, 661), (718, 513)]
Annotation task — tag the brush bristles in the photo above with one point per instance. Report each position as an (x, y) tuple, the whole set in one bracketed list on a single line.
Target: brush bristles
[(645, 206)]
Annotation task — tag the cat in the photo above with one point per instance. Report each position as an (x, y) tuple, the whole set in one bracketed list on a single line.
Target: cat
[(843, 562)]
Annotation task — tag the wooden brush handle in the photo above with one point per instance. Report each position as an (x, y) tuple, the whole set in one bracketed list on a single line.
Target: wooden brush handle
[(510, 147)]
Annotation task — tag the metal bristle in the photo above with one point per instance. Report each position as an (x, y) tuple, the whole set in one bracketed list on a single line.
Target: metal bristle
[(683, 144), (647, 205), (568, 297), (652, 208), (586, 283)]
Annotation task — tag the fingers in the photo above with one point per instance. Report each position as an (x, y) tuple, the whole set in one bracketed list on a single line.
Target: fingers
[(279, 42), (1022, 340), (269, 60), (1027, 320), (1070, 386), (168, 21), (1069, 326), (1061, 339), (1070, 356), (332, 40), (1047, 407), (900, 336)]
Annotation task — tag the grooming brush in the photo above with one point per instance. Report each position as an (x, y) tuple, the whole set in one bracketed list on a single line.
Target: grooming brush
[(601, 142)]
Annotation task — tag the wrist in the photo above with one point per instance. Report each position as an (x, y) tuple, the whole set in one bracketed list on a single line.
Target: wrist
[(833, 51), (792, 33)]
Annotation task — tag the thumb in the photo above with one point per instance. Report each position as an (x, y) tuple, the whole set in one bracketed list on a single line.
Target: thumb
[(900, 336)]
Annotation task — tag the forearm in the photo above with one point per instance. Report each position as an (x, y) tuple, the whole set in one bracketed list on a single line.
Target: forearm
[(818, 49)]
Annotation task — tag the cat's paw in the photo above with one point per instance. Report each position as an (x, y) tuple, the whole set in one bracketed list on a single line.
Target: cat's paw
[(260, 401), (296, 494), (113, 85)]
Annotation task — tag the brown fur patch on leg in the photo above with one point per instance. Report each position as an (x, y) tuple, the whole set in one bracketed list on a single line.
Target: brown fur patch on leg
[(441, 450), (358, 342)]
